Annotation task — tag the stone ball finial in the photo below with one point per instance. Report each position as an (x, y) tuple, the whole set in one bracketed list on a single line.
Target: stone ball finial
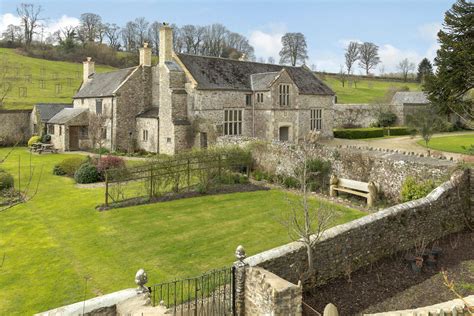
[(141, 278), (240, 253)]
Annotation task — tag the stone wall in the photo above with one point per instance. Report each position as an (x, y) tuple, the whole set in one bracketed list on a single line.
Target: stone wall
[(268, 294), (358, 243), (151, 126), (388, 169), (14, 127), (364, 115)]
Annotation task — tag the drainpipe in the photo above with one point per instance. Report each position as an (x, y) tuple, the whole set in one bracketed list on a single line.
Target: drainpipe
[(253, 116), (112, 145)]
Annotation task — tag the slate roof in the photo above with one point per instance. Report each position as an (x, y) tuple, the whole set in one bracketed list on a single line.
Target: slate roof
[(212, 73), (262, 81), (407, 97), (150, 113), (104, 84), (47, 110), (66, 115)]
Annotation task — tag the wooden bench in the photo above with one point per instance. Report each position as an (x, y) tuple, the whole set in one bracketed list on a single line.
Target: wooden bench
[(367, 190), (42, 148)]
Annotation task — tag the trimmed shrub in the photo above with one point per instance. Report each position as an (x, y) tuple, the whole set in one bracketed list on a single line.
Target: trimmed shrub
[(358, 133), (68, 166), (6, 180), (110, 162), (413, 190), (386, 119), (34, 140), (46, 138), (87, 173), (399, 131)]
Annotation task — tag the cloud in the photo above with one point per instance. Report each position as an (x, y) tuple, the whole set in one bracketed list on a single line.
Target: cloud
[(267, 42), (7, 19), (429, 31), (344, 42), (391, 56)]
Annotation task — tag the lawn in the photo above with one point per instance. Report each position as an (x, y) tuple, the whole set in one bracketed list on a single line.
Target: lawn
[(68, 75), (52, 243), (450, 143), (367, 91)]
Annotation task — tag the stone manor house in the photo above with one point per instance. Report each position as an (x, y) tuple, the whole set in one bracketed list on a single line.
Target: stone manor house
[(189, 101)]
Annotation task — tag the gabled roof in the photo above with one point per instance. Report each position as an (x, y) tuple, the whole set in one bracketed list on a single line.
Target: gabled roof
[(47, 110), (262, 81), (407, 97), (150, 113), (104, 84), (212, 73), (66, 115)]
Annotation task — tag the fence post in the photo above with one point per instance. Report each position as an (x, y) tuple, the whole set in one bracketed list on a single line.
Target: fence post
[(189, 175), (239, 270), (106, 189), (151, 182), (219, 166)]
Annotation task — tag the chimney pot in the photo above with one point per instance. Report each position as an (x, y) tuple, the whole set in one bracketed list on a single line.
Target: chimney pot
[(88, 69), (145, 55)]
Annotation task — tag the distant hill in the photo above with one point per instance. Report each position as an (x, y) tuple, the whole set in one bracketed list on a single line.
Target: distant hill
[(41, 80), (367, 90)]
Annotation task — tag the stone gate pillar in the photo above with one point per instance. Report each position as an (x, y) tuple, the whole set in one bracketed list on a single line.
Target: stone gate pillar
[(240, 268)]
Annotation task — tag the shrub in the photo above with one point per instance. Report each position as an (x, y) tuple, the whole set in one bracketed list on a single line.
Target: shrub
[(386, 119), (413, 190), (398, 131), (34, 140), (68, 166), (46, 138), (110, 162), (87, 173), (6, 180), (357, 133), (320, 170), (290, 182)]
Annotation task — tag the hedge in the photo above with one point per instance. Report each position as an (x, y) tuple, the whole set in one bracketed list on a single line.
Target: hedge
[(371, 132)]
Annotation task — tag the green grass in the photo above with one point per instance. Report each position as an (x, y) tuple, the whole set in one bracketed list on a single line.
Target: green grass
[(367, 91), (56, 72), (56, 240), (450, 143)]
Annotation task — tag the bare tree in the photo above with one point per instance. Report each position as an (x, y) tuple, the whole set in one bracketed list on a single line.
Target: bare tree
[(214, 40), (112, 32), (154, 36), (342, 76), (30, 17), (90, 26), (306, 222), (97, 135), (13, 34), (294, 49), (405, 67), (142, 30), (5, 81), (368, 56), (382, 70), (271, 60), (129, 36), (351, 55)]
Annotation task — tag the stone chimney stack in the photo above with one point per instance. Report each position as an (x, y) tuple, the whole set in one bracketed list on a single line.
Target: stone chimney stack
[(145, 55), (166, 43), (88, 69)]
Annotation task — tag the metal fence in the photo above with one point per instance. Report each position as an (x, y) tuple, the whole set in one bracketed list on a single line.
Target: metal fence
[(208, 294), (193, 172)]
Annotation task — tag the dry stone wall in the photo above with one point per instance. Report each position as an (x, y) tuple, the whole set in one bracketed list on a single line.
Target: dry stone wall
[(14, 126), (353, 245)]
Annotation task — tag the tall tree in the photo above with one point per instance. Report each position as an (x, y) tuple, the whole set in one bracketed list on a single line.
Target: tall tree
[(112, 33), (294, 49), (154, 36), (425, 69), (30, 17), (13, 34), (368, 56), (129, 36), (142, 30), (405, 67), (352, 55), (90, 26), (448, 90)]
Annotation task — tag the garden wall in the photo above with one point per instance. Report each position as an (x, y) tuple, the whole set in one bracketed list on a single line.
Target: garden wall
[(387, 168), (14, 126), (353, 245), (361, 115)]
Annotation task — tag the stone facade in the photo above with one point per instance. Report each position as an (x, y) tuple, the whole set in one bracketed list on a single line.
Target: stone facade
[(358, 243), (268, 294), (148, 127), (14, 127)]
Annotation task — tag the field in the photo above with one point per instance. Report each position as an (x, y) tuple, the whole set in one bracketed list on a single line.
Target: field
[(450, 143), (57, 240), (367, 91), (44, 80)]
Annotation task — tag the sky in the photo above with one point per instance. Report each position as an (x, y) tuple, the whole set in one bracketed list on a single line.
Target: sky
[(401, 28)]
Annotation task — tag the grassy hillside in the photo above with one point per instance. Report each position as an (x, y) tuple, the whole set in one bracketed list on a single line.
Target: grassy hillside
[(367, 90), (61, 79)]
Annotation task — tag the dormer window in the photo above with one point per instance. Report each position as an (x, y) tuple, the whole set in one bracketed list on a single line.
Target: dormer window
[(284, 94)]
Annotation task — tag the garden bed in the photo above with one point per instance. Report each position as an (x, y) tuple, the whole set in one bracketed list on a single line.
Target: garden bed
[(390, 284), (221, 189)]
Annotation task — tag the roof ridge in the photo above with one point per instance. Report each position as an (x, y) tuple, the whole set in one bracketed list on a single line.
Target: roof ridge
[(237, 60)]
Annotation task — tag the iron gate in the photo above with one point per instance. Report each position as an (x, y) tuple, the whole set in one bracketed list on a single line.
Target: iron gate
[(211, 293)]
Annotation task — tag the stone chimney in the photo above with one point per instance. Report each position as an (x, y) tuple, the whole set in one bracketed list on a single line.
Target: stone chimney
[(166, 43), (145, 55), (88, 69)]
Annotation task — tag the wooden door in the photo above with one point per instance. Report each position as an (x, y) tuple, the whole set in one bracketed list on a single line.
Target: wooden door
[(73, 138)]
